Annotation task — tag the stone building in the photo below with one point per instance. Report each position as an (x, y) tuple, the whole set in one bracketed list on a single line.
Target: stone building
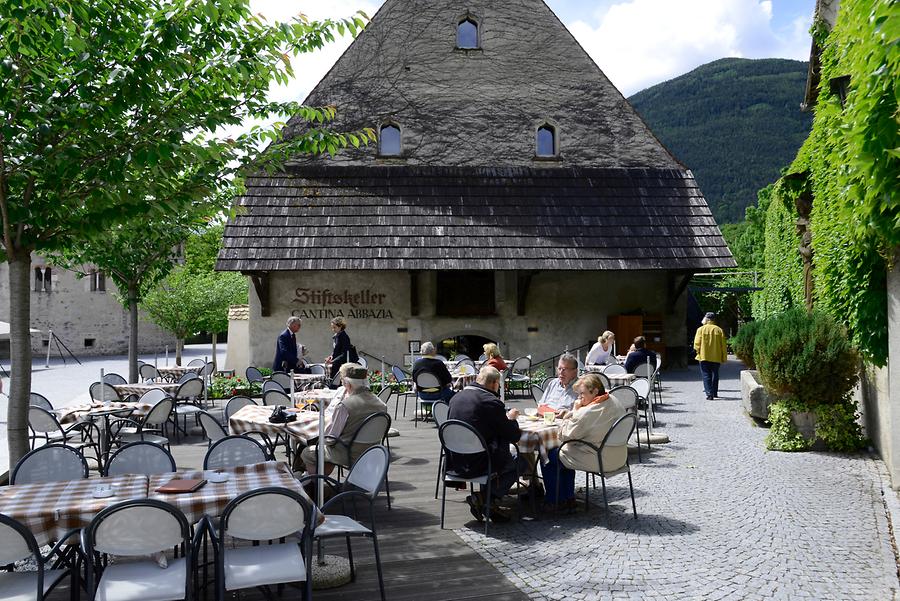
[(514, 195), (83, 314)]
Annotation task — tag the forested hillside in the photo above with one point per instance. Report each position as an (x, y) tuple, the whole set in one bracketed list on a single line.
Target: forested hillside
[(734, 122)]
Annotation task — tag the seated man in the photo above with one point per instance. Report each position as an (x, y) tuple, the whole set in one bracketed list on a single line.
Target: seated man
[(638, 354), (430, 364), (479, 406), (559, 394), (347, 415)]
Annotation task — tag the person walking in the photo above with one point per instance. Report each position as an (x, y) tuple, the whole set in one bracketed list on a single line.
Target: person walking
[(709, 342)]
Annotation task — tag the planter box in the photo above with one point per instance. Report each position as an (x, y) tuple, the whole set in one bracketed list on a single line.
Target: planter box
[(754, 397), (805, 423)]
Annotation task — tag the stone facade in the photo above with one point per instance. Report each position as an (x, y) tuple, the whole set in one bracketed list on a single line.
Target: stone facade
[(89, 322)]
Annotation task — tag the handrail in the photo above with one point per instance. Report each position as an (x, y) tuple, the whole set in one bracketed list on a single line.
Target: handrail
[(554, 357)]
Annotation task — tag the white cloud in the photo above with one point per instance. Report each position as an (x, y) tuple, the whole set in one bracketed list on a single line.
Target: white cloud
[(639, 43)]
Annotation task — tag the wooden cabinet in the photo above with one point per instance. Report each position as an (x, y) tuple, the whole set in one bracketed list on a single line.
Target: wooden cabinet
[(628, 327)]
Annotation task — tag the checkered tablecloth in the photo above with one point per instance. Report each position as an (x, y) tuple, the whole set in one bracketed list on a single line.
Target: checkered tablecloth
[(88, 411), (50, 509), (212, 498), (321, 396), (255, 418), (538, 436), (139, 389), (620, 379), (176, 371)]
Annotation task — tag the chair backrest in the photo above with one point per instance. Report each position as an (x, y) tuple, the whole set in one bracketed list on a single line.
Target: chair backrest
[(399, 374), (38, 400), (190, 389), (547, 381), (385, 394), (373, 429), (482, 357), (462, 357), (253, 374), (605, 380), (336, 380), (235, 404), (115, 379), (266, 514), (148, 372), (277, 397), (50, 463), (272, 385), (427, 380), (209, 368), (140, 457), (439, 411), (196, 363), (620, 432), (188, 376), (368, 472), (537, 393), (160, 412), (153, 396), (626, 395), (522, 364), (317, 369), (642, 386), (211, 426), (644, 370), (468, 363), (103, 391), (42, 421), (615, 369), (459, 437), (17, 542), (234, 451), (282, 378), (362, 361), (138, 527)]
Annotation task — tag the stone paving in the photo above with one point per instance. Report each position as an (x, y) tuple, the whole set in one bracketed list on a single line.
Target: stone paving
[(719, 518)]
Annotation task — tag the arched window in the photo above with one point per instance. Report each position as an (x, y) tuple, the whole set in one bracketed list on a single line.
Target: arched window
[(389, 140), (546, 141), (467, 34)]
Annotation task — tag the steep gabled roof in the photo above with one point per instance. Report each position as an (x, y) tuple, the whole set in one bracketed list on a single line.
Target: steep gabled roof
[(482, 107), (328, 218)]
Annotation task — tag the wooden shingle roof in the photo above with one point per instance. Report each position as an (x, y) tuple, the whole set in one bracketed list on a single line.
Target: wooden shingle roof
[(410, 217)]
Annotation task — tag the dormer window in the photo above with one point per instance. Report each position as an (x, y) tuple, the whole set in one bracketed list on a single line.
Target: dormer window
[(467, 34), (389, 140), (546, 143)]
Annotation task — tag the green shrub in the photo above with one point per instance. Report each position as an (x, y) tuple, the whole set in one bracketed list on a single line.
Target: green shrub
[(807, 357), (837, 426), (743, 342)]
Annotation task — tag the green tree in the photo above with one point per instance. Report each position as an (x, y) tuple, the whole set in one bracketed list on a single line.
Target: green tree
[(108, 111), (179, 304)]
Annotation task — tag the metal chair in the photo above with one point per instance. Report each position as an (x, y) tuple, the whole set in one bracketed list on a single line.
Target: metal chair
[(187, 376), (80, 435), (537, 393), (140, 458), (277, 397), (211, 427), (440, 411), (371, 432), (628, 398), (152, 396), (282, 378), (518, 373), (103, 391), (364, 480), (136, 528), (18, 543), (188, 399), (114, 379), (646, 370), (254, 375), (38, 400), (148, 372), (468, 363), (50, 463), (235, 404), (234, 451), (645, 400), (272, 385), (462, 357), (615, 368), (459, 437), (603, 378), (148, 429), (362, 361), (265, 514), (403, 379), (424, 380), (196, 363), (618, 435), (317, 369)]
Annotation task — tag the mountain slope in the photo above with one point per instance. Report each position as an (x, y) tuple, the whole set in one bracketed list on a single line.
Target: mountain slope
[(734, 122)]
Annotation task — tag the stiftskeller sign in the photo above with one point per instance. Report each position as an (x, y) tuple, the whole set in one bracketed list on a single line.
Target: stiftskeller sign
[(324, 303)]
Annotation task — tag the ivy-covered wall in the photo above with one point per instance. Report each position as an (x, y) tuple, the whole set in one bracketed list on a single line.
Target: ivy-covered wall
[(783, 281), (852, 165)]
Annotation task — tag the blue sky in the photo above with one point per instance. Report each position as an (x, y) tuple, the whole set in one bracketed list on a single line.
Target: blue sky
[(637, 43)]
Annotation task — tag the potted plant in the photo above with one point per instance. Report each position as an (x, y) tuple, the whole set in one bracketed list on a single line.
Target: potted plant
[(754, 396)]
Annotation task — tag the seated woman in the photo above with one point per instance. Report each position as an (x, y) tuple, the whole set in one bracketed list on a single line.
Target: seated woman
[(602, 349), (592, 416), (492, 352)]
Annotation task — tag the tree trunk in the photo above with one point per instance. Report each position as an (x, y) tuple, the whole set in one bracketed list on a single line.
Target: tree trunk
[(179, 343), (215, 367), (132, 333), (19, 353)]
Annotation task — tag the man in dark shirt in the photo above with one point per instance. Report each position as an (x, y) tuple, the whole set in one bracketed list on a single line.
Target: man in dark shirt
[(286, 356), (639, 354), (430, 364), (479, 406)]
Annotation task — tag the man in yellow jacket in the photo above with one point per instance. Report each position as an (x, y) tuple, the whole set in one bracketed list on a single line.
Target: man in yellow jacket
[(709, 342)]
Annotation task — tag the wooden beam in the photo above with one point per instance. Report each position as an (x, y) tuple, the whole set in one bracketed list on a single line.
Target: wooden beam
[(523, 283), (260, 281), (677, 286), (414, 293)]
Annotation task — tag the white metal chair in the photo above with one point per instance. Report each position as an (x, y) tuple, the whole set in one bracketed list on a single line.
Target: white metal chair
[(373, 431), (272, 385), (103, 391), (459, 437), (403, 379), (537, 393), (277, 397), (440, 411), (148, 372), (188, 401), (628, 398), (50, 463), (265, 514), (38, 400), (253, 374), (234, 451), (235, 404), (80, 435), (615, 368), (196, 363), (645, 400), (134, 529), (211, 427), (282, 378), (140, 458), (424, 380), (317, 369), (152, 396), (18, 543), (186, 376), (364, 480), (114, 379), (518, 373), (148, 429), (362, 361), (618, 435)]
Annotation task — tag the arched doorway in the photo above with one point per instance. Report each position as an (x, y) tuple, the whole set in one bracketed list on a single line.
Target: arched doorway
[(464, 344)]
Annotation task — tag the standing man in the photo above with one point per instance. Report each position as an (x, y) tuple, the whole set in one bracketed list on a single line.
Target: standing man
[(559, 394), (286, 357), (479, 406), (709, 342)]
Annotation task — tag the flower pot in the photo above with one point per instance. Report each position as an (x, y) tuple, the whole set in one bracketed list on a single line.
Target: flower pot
[(805, 423)]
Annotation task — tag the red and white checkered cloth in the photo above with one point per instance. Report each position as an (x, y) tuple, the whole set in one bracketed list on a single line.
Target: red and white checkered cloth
[(212, 497), (50, 509), (255, 418), (538, 436)]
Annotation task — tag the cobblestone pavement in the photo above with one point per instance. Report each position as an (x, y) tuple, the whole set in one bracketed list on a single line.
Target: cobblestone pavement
[(719, 518)]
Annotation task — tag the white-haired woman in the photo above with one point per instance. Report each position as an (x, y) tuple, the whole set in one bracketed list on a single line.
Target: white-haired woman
[(602, 349)]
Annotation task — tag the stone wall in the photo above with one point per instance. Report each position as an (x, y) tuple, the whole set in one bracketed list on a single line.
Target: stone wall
[(566, 308)]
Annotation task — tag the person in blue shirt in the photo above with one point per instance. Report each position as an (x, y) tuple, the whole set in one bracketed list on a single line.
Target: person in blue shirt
[(638, 355)]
